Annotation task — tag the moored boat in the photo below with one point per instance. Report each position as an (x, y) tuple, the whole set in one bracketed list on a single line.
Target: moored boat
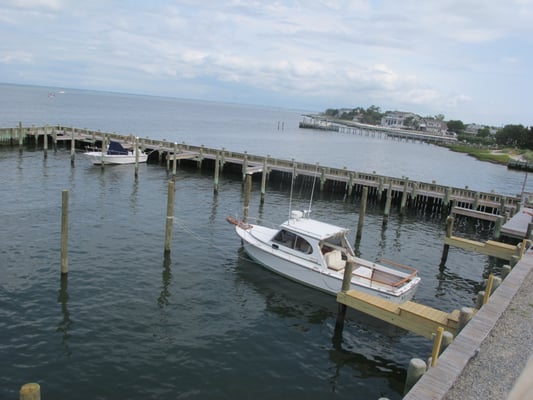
[(115, 154), (316, 253)]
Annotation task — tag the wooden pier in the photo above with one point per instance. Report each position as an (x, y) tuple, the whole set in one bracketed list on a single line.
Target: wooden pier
[(414, 317), (355, 128), (430, 197)]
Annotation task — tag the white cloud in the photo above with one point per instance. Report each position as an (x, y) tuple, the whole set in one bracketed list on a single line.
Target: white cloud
[(432, 55)]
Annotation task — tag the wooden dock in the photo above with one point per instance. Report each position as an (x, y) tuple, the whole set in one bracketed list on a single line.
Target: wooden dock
[(414, 317), (430, 197), (520, 225)]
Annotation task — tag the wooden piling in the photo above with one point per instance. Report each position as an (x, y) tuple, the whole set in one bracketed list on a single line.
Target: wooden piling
[(465, 315), (362, 212), (217, 172), (170, 216), (247, 193), (72, 147), (45, 142), (104, 146), (30, 391), (416, 369), (263, 180), (21, 135), (64, 232), (346, 283), (388, 203), (175, 159), (449, 230), (136, 157), (403, 203), (498, 226)]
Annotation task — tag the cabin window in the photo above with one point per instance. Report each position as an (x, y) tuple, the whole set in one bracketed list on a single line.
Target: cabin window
[(293, 241)]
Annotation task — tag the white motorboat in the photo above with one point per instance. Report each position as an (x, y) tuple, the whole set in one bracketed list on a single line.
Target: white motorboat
[(315, 254), (115, 154)]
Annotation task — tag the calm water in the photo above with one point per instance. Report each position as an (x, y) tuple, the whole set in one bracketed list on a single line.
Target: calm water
[(206, 322)]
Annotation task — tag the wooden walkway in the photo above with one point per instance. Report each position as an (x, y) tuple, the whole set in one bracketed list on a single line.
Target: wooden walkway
[(414, 194), (519, 225), (414, 317), (438, 380)]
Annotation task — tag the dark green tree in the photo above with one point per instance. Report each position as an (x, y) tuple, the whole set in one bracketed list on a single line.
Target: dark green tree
[(513, 135), (456, 126)]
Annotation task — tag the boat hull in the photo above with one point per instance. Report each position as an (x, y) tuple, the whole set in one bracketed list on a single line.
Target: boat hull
[(114, 159), (304, 272)]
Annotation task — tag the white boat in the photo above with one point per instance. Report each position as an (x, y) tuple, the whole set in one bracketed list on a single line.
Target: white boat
[(115, 154), (315, 254)]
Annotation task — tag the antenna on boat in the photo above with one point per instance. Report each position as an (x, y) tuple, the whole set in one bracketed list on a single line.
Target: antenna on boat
[(312, 190), (292, 184)]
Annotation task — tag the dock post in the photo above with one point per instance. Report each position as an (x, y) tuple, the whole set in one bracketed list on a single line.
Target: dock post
[(362, 212), (64, 232), (263, 180), (21, 137), (436, 346), (446, 248), (170, 216), (247, 192), (346, 281), (30, 391), (506, 269), (136, 157), (404, 197), (174, 159), (498, 227), (388, 203), (380, 188), (465, 315), (322, 179), (217, 172), (244, 166), (104, 146), (416, 369), (72, 146), (45, 142), (488, 289), (529, 230)]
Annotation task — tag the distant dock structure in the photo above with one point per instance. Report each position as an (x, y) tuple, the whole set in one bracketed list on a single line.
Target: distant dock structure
[(429, 197), (357, 128)]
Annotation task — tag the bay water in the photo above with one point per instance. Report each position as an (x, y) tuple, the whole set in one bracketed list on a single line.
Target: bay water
[(205, 322)]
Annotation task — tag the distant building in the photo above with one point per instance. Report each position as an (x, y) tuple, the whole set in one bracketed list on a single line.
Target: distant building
[(396, 119), (433, 126)]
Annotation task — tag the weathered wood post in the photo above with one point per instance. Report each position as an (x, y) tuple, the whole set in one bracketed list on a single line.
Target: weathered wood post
[(404, 196), (136, 149), (380, 187), (416, 369), (104, 147), (54, 139), (21, 136), (30, 391), (72, 146), (346, 283), (175, 159), (247, 193), (244, 166), (465, 315), (446, 248), (263, 180), (498, 227), (170, 216), (217, 171), (64, 232), (45, 142), (362, 212), (388, 203)]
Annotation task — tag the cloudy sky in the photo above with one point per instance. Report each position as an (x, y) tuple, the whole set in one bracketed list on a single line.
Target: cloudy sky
[(466, 59)]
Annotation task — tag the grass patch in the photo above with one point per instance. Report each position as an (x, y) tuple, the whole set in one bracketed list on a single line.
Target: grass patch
[(501, 157)]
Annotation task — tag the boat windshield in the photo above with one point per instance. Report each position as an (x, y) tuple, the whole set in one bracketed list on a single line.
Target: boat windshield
[(293, 241)]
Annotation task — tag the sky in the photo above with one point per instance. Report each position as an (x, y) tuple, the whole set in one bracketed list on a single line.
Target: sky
[(469, 60)]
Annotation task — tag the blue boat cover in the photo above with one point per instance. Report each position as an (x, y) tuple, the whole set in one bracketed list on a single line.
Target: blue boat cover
[(116, 148)]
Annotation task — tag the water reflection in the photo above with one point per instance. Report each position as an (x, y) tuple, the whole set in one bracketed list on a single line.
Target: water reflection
[(163, 299), (65, 325)]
